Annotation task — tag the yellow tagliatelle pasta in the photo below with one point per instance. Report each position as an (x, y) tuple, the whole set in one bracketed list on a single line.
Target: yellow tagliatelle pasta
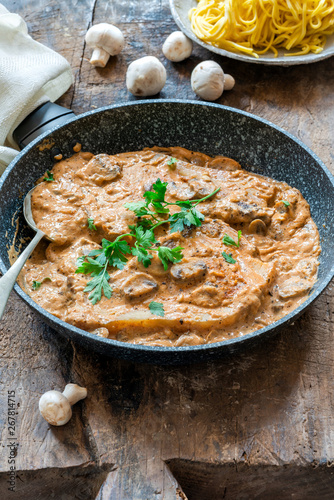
[(256, 26)]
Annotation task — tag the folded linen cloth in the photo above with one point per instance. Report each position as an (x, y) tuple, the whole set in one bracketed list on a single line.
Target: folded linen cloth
[(30, 75)]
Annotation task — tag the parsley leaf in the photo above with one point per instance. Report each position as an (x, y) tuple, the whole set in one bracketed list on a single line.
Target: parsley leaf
[(227, 240), (176, 225), (194, 217), (114, 252), (239, 237), (97, 268), (187, 217), (92, 267), (158, 193), (100, 256), (142, 255), (96, 285), (159, 208), (157, 308), (172, 163), (93, 253), (228, 258), (91, 224), (36, 285), (184, 203), (144, 223), (48, 177), (80, 260), (145, 238), (138, 207), (167, 255), (286, 203)]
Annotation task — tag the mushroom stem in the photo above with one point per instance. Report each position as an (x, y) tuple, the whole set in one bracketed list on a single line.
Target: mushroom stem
[(55, 407), (99, 57), (73, 393)]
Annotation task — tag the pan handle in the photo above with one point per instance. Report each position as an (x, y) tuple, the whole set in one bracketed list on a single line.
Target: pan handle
[(42, 119)]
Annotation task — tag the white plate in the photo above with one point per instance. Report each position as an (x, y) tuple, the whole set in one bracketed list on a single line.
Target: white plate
[(180, 9)]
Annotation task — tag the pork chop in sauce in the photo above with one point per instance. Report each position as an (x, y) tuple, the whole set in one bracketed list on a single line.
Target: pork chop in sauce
[(216, 291)]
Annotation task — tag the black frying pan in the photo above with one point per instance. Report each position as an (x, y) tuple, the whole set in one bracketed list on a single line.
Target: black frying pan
[(210, 128)]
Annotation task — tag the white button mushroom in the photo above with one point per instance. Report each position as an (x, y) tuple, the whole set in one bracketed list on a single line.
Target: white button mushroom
[(106, 40), (55, 406), (145, 76), (208, 80), (177, 47), (229, 82)]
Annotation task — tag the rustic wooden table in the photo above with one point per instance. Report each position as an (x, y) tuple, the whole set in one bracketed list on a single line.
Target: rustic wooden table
[(257, 424)]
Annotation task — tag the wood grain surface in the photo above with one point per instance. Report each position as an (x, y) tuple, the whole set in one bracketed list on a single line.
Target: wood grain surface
[(256, 424)]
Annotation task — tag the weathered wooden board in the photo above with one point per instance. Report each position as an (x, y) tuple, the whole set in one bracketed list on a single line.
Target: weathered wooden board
[(258, 424)]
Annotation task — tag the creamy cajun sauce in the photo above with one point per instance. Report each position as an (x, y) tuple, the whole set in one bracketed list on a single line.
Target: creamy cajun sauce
[(206, 299)]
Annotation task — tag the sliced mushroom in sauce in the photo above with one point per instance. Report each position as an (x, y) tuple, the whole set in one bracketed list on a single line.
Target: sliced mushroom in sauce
[(139, 285), (205, 296), (257, 226), (236, 213), (293, 288), (101, 169), (193, 270), (224, 163)]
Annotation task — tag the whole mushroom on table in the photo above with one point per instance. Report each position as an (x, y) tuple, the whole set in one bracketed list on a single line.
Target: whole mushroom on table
[(106, 40), (209, 81), (146, 76), (55, 407), (177, 47)]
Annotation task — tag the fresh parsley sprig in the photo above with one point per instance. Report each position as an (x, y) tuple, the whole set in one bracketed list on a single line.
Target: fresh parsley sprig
[(144, 239), (227, 240), (228, 257), (49, 176), (170, 255), (151, 213), (37, 284), (111, 254), (172, 163), (157, 308), (114, 254), (187, 216), (91, 224), (99, 283)]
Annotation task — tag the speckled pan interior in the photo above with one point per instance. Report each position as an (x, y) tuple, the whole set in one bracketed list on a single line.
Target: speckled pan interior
[(210, 128)]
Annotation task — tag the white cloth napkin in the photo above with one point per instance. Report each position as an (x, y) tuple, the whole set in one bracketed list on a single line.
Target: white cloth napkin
[(30, 74)]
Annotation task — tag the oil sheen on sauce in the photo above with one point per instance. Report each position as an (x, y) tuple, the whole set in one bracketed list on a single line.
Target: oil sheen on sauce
[(206, 299)]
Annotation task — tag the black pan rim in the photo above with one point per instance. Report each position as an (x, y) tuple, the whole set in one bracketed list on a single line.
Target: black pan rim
[(90, 337)]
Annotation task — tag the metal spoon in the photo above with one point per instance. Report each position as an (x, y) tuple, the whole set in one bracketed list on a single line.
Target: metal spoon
[(8, 280)]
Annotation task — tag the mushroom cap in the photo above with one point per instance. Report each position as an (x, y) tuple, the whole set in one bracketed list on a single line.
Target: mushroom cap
[(55, 408), (207, 80), (229, 82), (107, 37), (177, 47), (145, 76)]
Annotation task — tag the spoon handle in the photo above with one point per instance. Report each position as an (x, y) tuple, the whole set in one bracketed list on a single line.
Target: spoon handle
[(8, 280)]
